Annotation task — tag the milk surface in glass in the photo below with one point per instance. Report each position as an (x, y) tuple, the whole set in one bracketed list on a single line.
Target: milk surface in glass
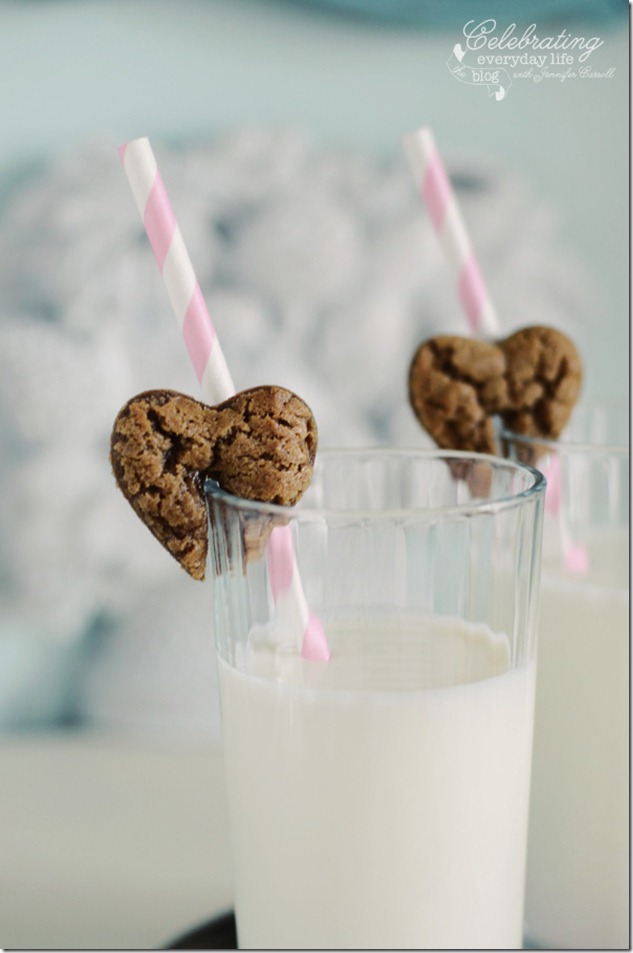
[(379, 800)]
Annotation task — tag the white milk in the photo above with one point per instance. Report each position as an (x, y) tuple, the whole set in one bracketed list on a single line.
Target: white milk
[(377, 801), (577, 893)]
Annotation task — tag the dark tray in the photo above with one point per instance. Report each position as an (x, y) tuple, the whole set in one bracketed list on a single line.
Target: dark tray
[(218, 934)]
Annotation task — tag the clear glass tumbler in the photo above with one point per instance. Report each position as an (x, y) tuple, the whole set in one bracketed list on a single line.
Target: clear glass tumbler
[(380, 799), (577, 893)]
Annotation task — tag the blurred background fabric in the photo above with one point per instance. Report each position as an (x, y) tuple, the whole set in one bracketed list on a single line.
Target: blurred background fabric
[(277, 125), (322, 273)]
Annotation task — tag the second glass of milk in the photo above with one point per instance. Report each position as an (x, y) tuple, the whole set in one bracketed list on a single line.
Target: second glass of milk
[(577, 893), (379, 799)]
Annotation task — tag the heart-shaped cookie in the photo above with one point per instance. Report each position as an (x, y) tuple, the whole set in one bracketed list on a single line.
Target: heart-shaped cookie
[(457, 385), (259, 444)]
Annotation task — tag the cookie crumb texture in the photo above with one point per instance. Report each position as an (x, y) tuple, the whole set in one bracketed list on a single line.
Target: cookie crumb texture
[(259, 445), (457, 385)]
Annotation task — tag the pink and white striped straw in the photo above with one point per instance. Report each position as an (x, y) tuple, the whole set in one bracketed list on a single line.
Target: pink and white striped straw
[(211, 369), (175, 266), (430, 176), (576, 556)]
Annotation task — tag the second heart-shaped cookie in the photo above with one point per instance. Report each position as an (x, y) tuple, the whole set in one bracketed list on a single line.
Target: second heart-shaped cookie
[(531, 380), (259, 444)]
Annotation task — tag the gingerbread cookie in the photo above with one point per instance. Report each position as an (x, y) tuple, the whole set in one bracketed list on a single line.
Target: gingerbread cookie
[(531, 380), (259, 444)]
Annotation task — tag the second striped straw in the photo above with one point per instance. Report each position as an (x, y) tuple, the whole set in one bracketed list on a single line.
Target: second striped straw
[(211, 369), (430, 177)]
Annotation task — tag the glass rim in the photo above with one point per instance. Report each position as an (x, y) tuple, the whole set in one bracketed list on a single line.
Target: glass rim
[(562, 444), (306, 513), (611, 405)]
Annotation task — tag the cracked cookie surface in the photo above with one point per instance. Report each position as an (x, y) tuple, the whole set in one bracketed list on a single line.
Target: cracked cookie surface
[(531, 380), (259, 445)]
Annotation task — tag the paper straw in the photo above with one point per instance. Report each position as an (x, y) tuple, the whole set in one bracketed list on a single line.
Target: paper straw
[(211, 368), (175, 266), (430, 177), (289, 597), (576, 555)]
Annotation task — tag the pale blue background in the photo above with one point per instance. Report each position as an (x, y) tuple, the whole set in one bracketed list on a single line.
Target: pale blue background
[(72, 70)]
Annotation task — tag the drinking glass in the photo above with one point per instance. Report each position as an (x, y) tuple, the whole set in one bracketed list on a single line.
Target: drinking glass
[(380, 799), (577, 893)]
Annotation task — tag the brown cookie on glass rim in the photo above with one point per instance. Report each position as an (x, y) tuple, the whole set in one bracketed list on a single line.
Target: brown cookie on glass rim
[(530, 380), (259, 445)]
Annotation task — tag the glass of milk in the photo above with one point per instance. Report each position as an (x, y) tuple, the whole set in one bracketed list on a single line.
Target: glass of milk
[(577, 893), (380, 799)]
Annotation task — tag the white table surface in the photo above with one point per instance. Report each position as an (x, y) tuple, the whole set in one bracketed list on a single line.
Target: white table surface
[(109, 842)]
